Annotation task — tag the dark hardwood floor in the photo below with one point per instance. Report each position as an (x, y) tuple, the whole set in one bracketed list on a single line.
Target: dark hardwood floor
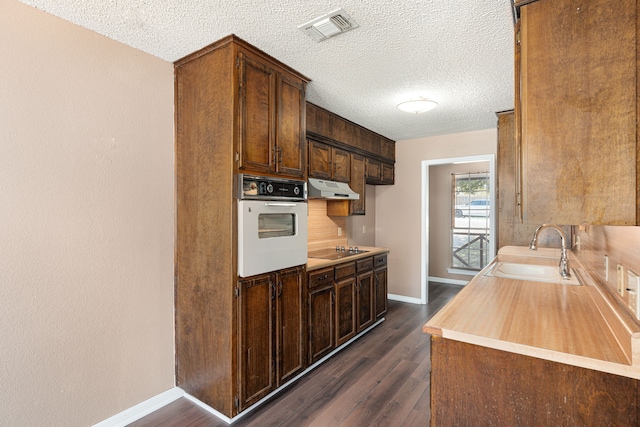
[(382, 379)]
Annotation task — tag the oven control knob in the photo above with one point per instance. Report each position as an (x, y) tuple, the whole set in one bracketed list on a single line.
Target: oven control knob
[(296, 190), (269, 188)]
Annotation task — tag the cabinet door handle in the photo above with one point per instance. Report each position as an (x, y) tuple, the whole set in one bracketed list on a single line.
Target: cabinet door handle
[(280, 289), (273, 290)]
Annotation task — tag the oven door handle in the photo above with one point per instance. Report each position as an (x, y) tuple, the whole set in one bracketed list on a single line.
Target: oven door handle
[(281, 205)]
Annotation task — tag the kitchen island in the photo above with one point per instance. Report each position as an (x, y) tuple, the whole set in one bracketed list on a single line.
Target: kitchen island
[(518, 352)]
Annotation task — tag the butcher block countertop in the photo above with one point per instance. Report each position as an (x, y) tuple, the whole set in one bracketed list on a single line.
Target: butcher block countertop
[(575, 325), (318, 263)]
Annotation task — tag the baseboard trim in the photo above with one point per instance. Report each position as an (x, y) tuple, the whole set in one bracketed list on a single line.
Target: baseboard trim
[(403, 298), (448, 281), (142, 409)]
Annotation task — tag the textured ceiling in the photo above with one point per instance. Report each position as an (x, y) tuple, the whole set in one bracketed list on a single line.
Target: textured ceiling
[(459, 53)]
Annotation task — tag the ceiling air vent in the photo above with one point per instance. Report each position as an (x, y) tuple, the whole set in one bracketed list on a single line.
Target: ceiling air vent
[(329, 25)]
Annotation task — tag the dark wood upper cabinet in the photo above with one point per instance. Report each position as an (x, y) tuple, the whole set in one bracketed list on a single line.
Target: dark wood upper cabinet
[(272, 119), (327, 162), (576, 127), (329, 129), (357, 184)]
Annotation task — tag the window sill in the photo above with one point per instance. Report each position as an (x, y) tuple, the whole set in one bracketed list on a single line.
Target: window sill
[(462, 272)]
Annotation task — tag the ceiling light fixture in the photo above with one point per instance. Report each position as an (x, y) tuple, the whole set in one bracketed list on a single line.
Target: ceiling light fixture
[(418, 106)]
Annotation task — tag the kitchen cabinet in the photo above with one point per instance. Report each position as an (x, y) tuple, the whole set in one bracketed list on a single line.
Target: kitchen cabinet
[(380, 173), (329, 129), (380, 281), (511, 230), (271, 333), (494, 387), (357, 184), (325, 126), (365, 294), (327, 162), (271, 118), (344, 300), (321, 314), (220, 123), (345, 303), (576, 112)]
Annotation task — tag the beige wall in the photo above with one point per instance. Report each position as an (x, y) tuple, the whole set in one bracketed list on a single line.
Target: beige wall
[(440, 216), (87, 223), (398, 207), (355, 223)]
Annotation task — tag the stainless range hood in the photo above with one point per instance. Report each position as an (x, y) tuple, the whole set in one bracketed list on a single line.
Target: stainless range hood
[(331, 190)]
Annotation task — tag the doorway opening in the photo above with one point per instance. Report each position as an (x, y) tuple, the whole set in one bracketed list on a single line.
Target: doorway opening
[(458, 219)]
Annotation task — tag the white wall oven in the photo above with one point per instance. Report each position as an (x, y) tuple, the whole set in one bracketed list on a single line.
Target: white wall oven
[(272, 224)]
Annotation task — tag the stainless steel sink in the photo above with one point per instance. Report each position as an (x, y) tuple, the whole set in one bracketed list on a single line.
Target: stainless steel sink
[(531, 273), (333, 254)]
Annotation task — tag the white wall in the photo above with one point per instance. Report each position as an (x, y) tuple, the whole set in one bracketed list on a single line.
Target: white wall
[(86, 223), (398, 207)]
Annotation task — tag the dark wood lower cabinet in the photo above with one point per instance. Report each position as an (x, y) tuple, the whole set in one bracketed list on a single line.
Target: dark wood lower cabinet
[(365, 293), (474, 385), (256, 335), (345, 307), (321, 322), (291, 326), (380, 283), (271, 332)]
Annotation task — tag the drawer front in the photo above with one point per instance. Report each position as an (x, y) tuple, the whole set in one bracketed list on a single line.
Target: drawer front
[(364, 265), (380, 261), (320, 277), (345, 270)]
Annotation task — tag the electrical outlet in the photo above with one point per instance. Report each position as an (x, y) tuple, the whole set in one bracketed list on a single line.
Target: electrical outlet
[(339, 231), (633, 285), (620, 279), (606, 268)]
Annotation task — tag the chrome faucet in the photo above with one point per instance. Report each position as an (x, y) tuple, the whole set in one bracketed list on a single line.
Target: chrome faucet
[(564, 263)]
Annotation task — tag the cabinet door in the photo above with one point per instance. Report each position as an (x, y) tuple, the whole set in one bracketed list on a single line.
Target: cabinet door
[(290, 142), (380, 278), (388, 174), (290, 323), (341, 165), (364, 301), (257, 115), (357, 184), (345, 310), (374, 171), (256, 338), (320, 160), (578, 111), (321, 322)]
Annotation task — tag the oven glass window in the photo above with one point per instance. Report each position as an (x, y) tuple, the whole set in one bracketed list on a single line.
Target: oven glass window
[(276, 225)]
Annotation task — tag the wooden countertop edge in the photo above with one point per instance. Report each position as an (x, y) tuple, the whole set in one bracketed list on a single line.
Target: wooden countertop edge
[(317, 263), (546, 354)]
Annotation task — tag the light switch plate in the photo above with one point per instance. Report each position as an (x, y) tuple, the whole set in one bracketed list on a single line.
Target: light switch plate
[(633, 286), (606, 268), (620, 279)]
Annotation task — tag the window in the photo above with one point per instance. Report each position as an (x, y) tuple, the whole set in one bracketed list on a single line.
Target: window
[(470, 221)]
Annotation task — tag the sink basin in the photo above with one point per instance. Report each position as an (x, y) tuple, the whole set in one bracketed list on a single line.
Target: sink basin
[(530, 272)]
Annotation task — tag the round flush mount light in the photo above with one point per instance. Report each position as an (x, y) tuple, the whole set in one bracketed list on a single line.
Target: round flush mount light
[(417, 106)]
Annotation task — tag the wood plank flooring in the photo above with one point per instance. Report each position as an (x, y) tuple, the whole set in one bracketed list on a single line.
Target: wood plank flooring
[(382, 379)]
